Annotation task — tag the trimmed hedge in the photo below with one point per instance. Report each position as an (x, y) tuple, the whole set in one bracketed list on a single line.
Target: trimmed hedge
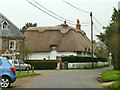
[(75, 59), (42, 65)]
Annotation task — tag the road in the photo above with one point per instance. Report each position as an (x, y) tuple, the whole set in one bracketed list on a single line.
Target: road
[(62, 79)]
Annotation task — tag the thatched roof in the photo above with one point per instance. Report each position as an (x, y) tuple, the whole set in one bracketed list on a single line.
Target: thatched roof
[(65, 39)]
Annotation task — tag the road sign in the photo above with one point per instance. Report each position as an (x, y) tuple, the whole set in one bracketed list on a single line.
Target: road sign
[(110, 54), (110, 57)]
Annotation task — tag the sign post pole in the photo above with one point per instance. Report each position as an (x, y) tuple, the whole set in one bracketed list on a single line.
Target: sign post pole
[(110, 59)]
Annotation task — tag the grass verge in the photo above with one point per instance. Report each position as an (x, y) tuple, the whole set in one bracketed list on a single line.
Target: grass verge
[(112, 75), (114, 85), (25, 74), (109, 76)]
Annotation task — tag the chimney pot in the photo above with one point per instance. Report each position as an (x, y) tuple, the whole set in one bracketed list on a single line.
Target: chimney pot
[(65, 25), (77, 21), (78, 26), (64, 22)]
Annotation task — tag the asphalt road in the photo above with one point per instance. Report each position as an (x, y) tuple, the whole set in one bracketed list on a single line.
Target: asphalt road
[(62, 79)]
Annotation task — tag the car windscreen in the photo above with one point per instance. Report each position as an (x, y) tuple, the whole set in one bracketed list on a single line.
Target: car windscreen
[(20, 62), (15, 62)]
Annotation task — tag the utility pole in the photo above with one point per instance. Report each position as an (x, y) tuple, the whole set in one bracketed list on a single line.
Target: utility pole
[(92, 40), (119, 38)]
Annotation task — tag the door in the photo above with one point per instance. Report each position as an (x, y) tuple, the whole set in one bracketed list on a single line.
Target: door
[(16, 64), (22, 64)]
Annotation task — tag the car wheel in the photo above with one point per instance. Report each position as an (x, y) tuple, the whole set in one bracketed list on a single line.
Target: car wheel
[(26, 68), (5, 82)]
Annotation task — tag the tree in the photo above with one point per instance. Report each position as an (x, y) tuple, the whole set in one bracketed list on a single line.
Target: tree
[(28, 52), (27, 25), (102, 49), (110, 37)]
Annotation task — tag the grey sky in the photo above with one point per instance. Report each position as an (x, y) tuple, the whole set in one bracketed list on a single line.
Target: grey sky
[(21, 12)]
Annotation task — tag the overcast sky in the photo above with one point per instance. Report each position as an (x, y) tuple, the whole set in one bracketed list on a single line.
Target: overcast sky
[(20, 12)]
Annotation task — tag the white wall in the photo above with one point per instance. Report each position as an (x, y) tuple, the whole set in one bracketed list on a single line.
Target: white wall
[(52, 54), (86, 64)]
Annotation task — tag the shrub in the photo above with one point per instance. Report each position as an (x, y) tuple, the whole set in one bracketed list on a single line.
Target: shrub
[(102, 59), (42, 65), (73, 59)]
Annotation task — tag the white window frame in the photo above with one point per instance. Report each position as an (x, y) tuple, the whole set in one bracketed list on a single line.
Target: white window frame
[(53, 48), (14, 48), (6, 25)]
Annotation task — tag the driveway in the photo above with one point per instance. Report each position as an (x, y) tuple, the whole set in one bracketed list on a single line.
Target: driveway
[(62, 79)]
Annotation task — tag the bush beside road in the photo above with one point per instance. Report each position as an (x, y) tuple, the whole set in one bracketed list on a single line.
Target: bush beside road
[(42, 65)]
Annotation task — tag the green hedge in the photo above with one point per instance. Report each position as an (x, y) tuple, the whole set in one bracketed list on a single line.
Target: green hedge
[(73, 59), (42, 65)]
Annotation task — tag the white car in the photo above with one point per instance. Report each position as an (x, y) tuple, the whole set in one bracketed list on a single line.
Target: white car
[(21, 63)]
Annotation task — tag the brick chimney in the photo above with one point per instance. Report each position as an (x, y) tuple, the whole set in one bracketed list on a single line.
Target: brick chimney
[(78, 26), (65, 25)]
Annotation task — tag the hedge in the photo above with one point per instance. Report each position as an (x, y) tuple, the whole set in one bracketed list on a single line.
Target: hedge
[(42, 65), (75, 59)]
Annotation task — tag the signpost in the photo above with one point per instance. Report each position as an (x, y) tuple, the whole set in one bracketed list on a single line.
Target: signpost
[(110, 59), (13, 57)]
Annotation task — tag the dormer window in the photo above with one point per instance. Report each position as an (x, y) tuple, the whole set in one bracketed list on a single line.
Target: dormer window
[(88, 49), (53, 48), (5, 25)]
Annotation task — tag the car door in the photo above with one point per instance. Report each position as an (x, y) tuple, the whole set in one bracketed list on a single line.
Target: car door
[(22, 64), (16, 64)]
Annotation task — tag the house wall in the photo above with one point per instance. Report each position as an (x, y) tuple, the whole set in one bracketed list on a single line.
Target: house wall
[(52, 55), (19, 47), (85, 64), (49, 55)]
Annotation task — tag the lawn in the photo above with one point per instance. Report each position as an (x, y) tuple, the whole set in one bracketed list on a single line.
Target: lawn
[(25, 74), (112, 75)]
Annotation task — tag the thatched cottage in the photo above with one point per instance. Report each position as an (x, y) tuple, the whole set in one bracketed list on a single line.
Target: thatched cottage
[(11, 39), (54, 42)]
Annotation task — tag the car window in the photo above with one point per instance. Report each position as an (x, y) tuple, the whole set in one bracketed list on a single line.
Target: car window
[(15, 62), (9, 62), (21, 62), (0, 62)]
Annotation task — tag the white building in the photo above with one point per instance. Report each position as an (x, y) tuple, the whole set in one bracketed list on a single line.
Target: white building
[(53, 42)]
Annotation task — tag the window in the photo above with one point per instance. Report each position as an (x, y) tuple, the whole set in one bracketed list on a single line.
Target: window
[(79, 53), (5, 25), (12, 44), (20, 62), (89, 50), (53, 48), (88, 53), (85, 49), (15, 62), (58, 57)]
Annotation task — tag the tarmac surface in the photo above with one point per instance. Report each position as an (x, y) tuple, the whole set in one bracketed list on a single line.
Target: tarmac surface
[(62, 79)]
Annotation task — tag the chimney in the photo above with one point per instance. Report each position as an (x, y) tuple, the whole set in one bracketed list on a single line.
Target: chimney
[(65, 25), (78, 26)]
